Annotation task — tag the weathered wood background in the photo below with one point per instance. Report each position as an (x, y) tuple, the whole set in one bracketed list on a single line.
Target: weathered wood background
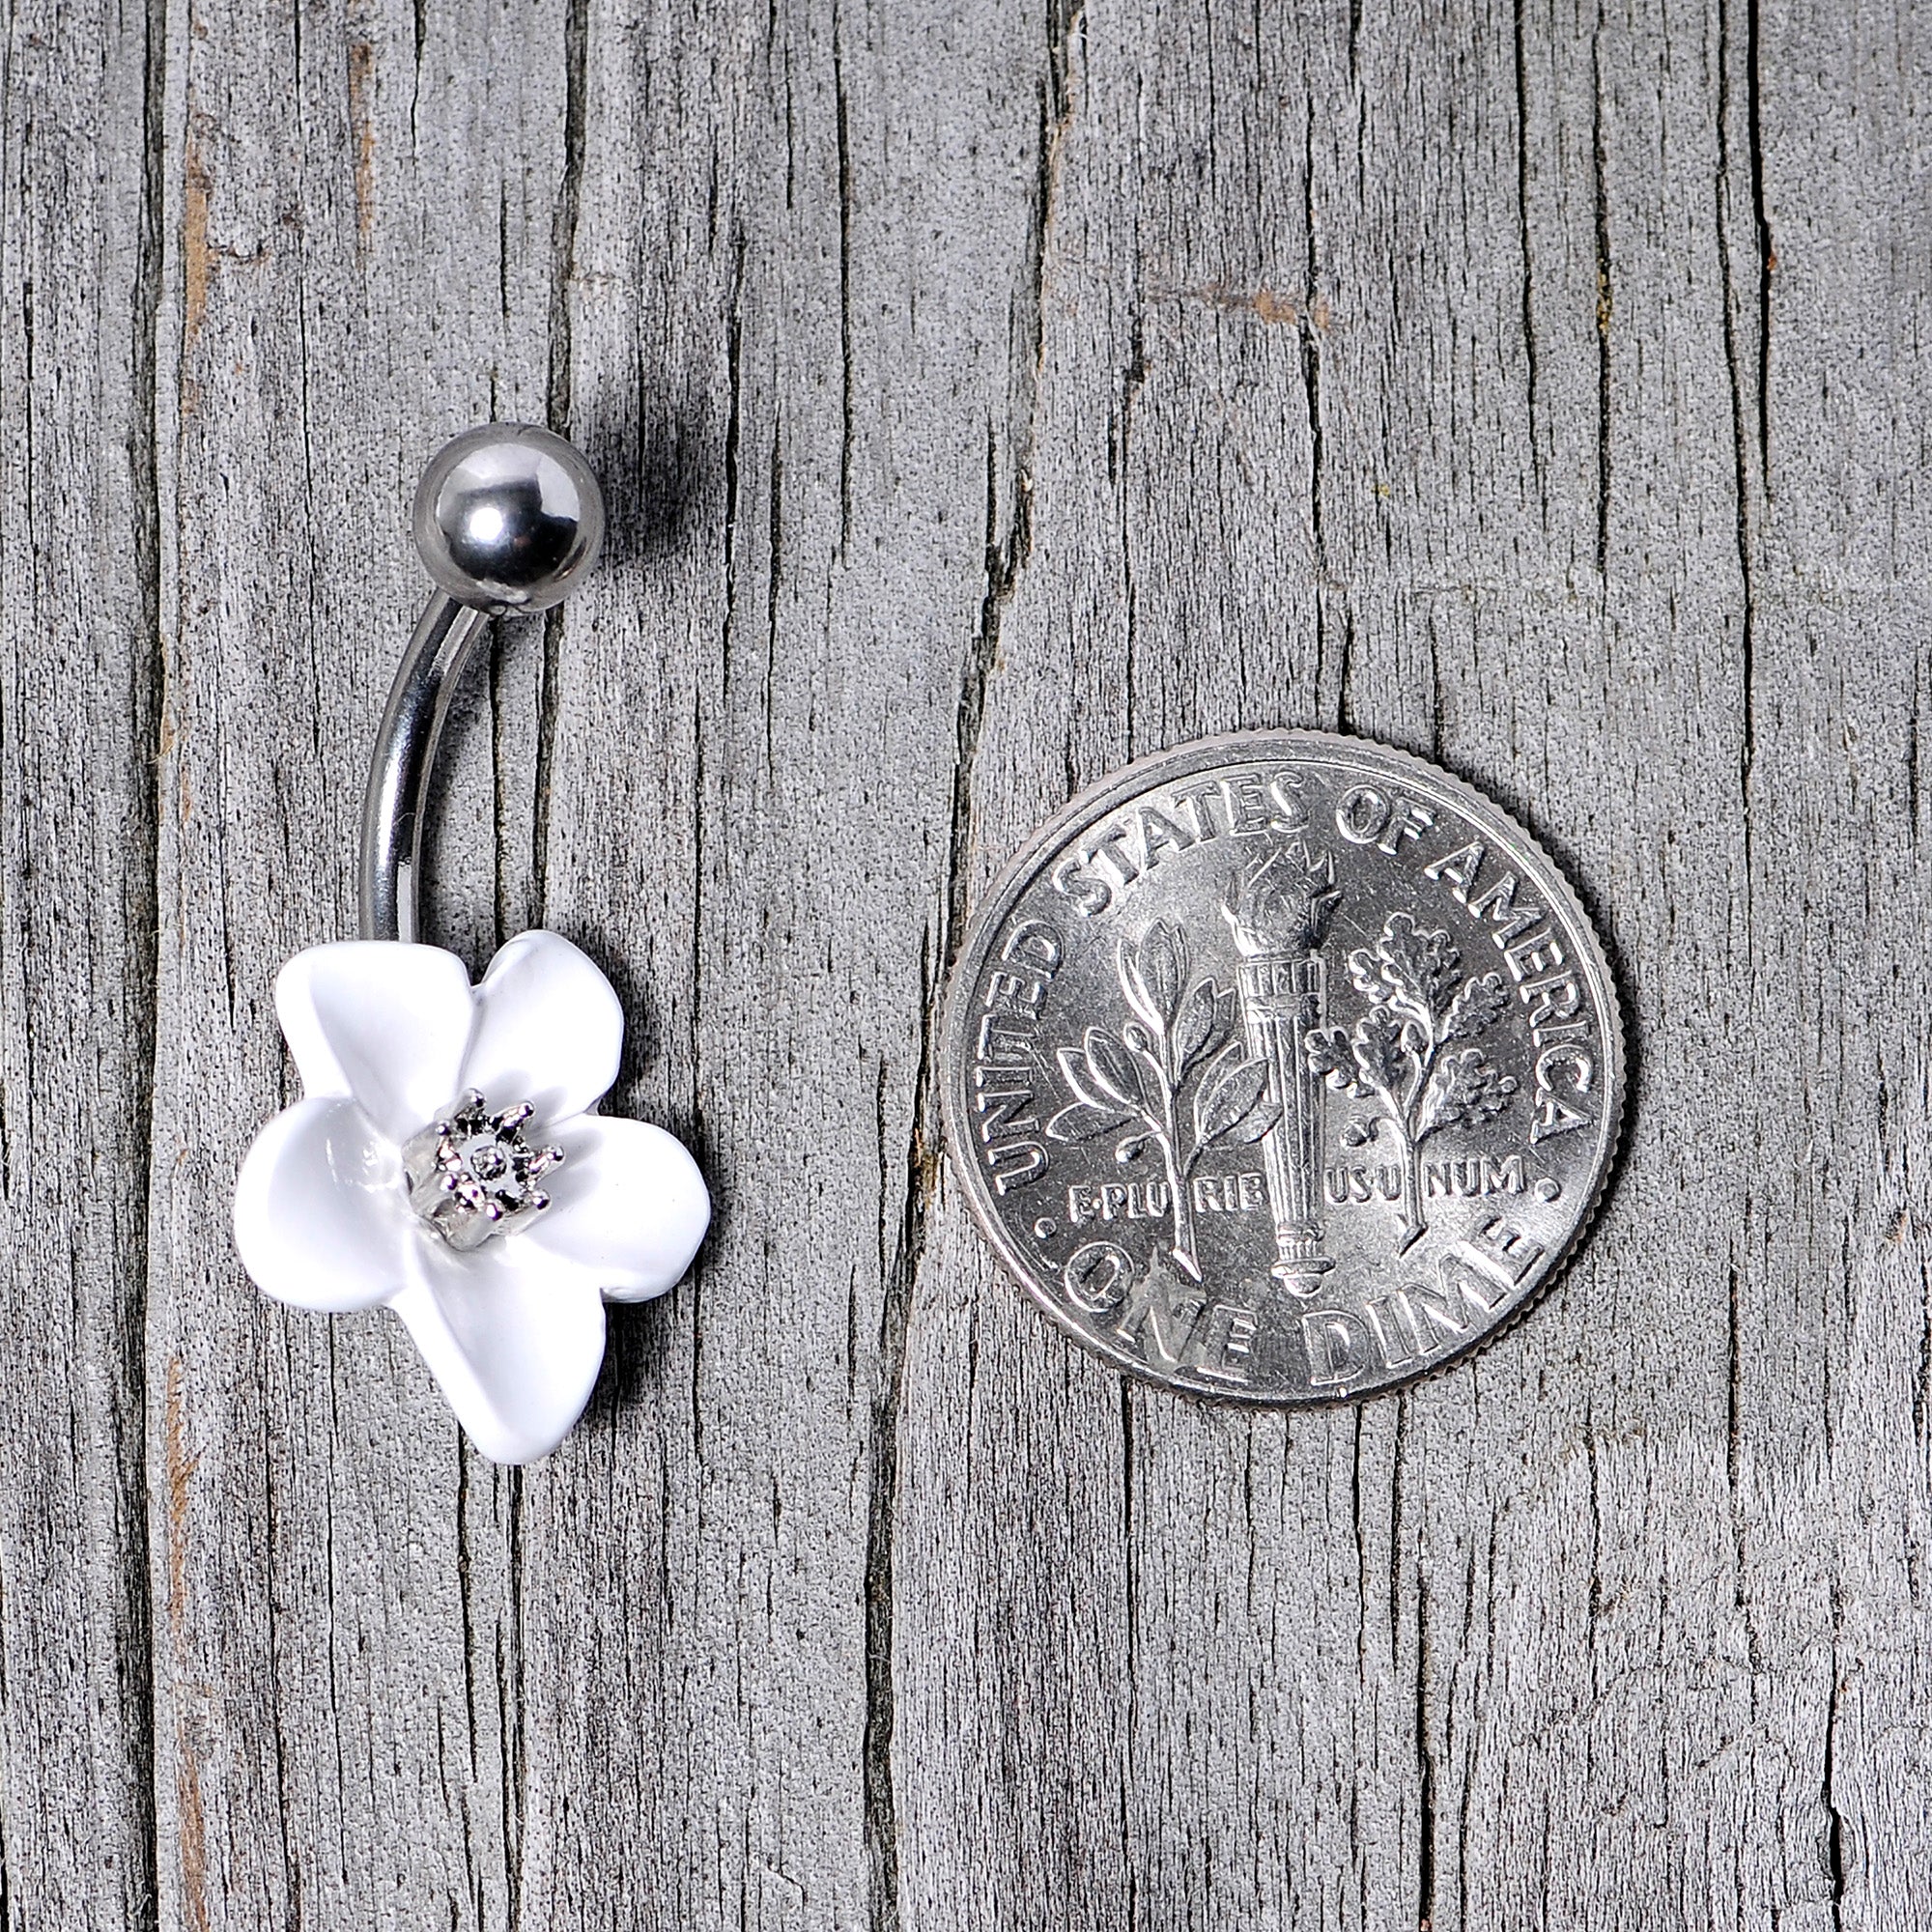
[(987, 393)]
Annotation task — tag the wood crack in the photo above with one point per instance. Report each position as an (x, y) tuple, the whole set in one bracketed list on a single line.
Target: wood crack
[(845, 401), (561, 403), (1529, 347), (1747, 438), (1600, 165), (879, 1801), (149, 727), (1006, 557)]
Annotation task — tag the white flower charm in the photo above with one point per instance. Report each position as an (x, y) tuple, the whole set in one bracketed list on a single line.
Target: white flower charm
[(448, 1160)]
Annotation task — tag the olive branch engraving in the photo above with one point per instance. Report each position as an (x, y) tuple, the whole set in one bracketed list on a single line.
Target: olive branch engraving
[(1404, 1051), (1177, 1077)]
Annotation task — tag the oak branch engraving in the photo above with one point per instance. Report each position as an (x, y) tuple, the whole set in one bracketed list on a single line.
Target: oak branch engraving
[(1406, 1050)]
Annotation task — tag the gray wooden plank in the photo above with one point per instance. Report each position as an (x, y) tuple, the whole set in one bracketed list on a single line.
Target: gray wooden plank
[(1832, 1439), (78, 718), (984, 399), (1401, 372), (810, 348), (360, 227), (1214, 1625)]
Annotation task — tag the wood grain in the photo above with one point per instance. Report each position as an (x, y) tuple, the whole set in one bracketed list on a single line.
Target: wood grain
[(78, 685), (985, 396)]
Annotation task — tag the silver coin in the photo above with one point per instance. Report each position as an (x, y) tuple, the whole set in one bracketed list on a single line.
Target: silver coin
[(1282, 1067)]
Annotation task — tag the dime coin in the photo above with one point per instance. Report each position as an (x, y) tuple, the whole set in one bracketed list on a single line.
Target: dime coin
[(1284, 1068)]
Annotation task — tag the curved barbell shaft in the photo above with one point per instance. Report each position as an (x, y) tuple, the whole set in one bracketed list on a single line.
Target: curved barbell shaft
[(393, 807), (507, 518)]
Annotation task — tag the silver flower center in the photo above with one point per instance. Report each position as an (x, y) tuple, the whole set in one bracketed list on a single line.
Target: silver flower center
[(472, 1174)]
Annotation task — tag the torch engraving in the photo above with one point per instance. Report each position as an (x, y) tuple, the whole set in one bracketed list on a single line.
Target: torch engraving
[(1279, 908)]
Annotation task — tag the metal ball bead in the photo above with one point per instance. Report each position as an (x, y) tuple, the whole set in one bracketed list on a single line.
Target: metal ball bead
[(508, 517)]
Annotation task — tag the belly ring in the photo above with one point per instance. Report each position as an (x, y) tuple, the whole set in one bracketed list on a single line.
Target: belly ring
[(448, 1159)]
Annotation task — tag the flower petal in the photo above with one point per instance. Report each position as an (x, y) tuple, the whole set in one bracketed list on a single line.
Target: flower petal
[(628, 1206), (514, 1340), (548, 1029), (321, 1220), (380, 1021)]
